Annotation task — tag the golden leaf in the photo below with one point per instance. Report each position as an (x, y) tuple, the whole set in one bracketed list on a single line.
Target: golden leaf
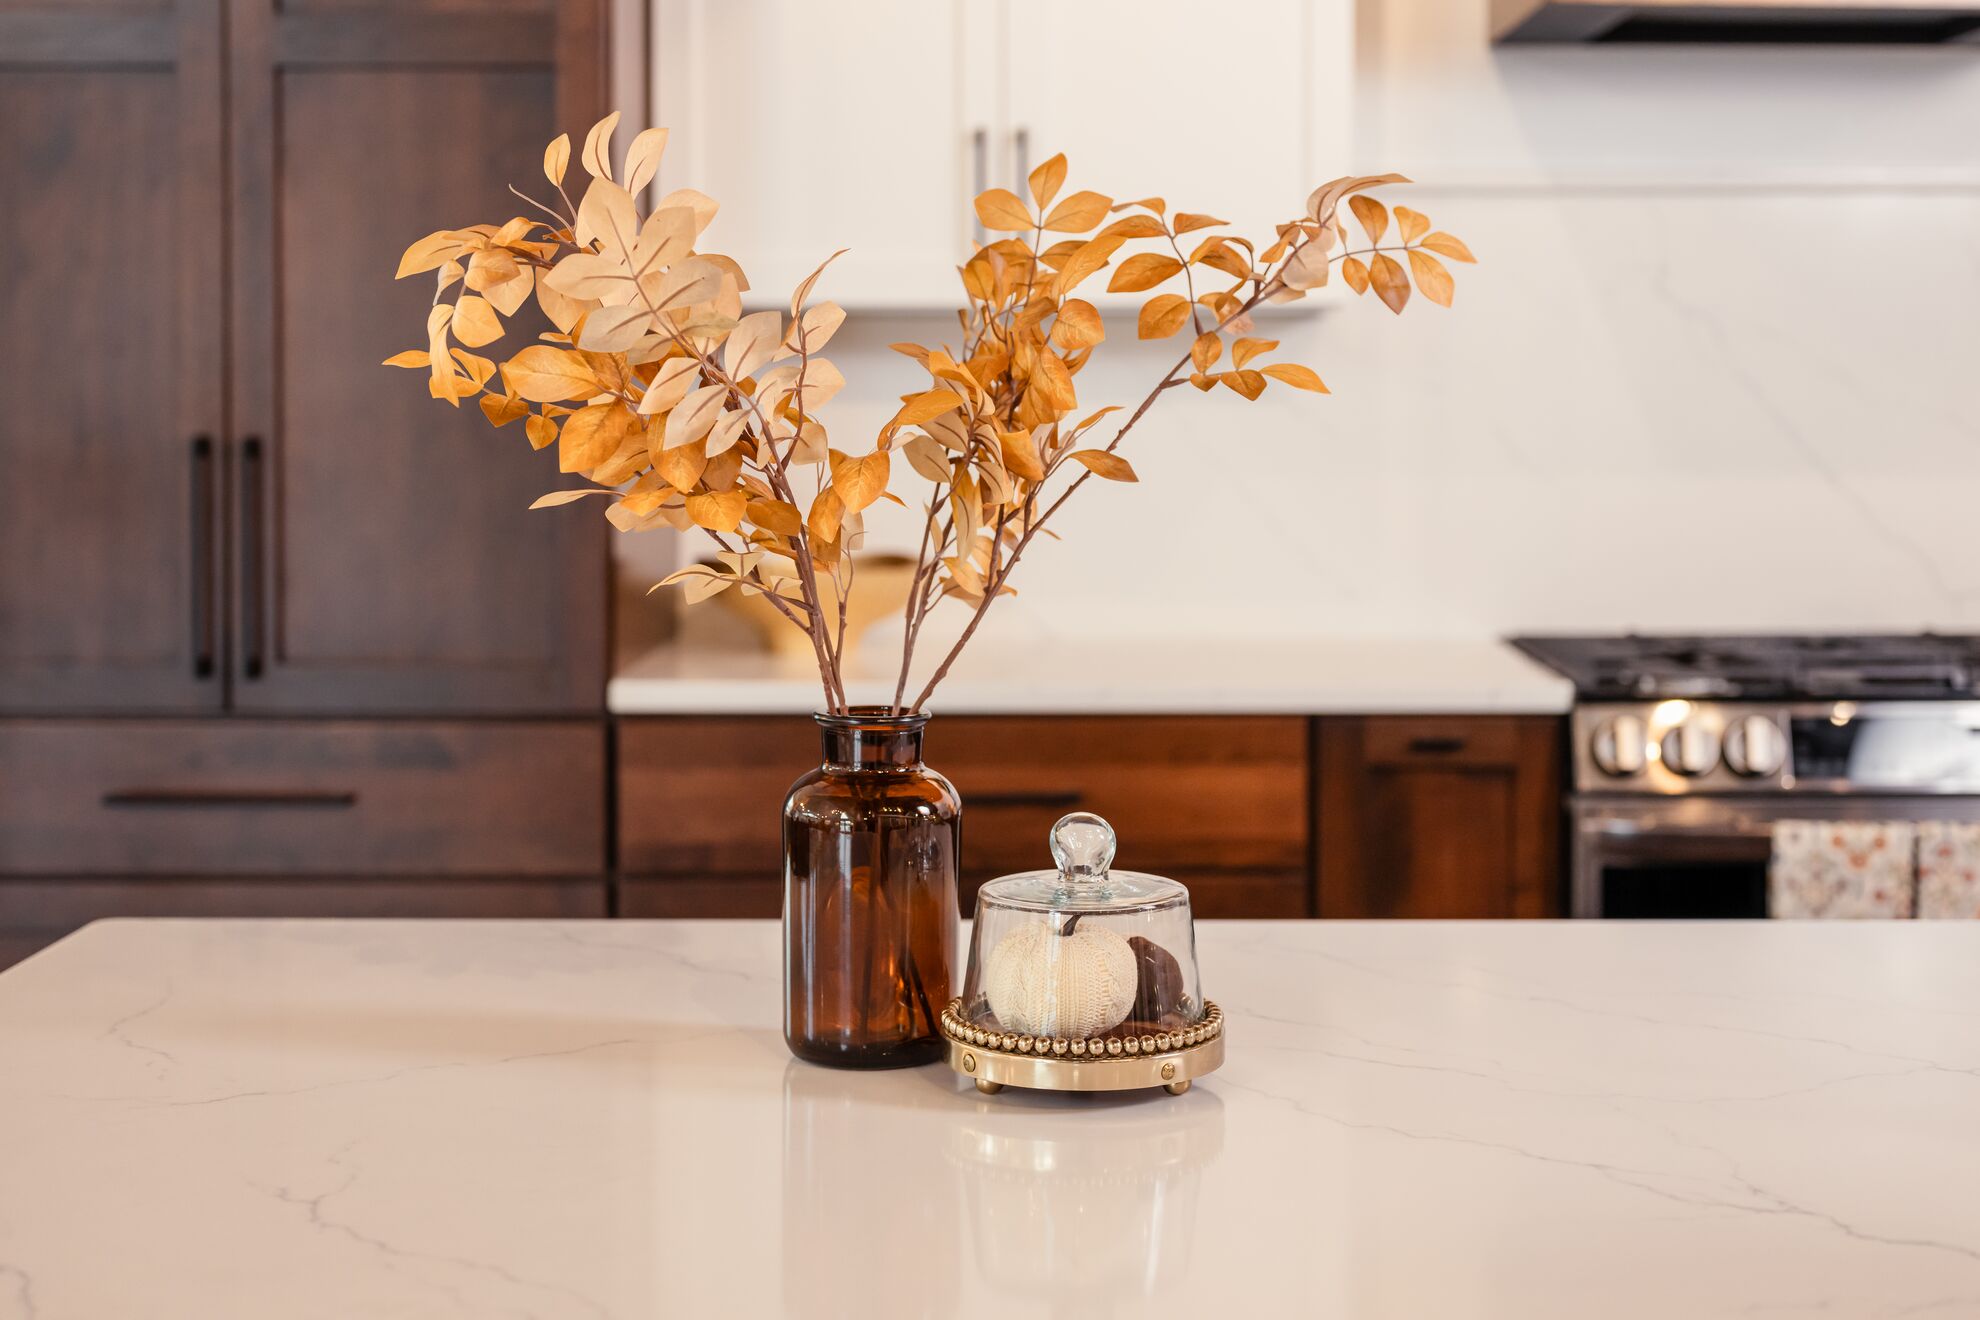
[(593, 435), (777, 516), (1202, 381), (643, 158), (1092, 255), (1134, 226), (1155, 204), (590, 275), (928, 404), (1448, 245), (1355, 273), (562, 309), (1432, 279), (928, 458), (1078, 213), (1321, 203), (1389, 282), (1103, 464), (1243, 350), (860, 481), (1002, 209), (542, 432), (430, 253), (1206, 350), (607, 214), (557, 497), (1189, 221), (557, 159), (1162, 316), (450, 387), (815, 329), (680, 467), (688, 283), (1373, 215), (698, 204), (1047, 179), (614, 329), (803, 290), (1303, 378), (1020, 454), (509, 296), (1308, 268), (670, 385), (1144, 270), (501, 409), (475, 322), (1412, 225), (827, 512), (436, 348), (412, 357), (485, 270), (1052, 384), (1248, 383), (822, 380), (665, 237), (695, 416), (752, 345), (597, 156), (718, 512), (1221, 256), (727, 430), (1078, 325), (478, 368)]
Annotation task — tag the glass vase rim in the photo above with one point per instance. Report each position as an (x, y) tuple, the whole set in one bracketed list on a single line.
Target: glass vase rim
[(880, 718)]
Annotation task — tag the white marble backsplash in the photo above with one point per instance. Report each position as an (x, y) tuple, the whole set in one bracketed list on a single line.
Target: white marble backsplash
[(1715, 370)]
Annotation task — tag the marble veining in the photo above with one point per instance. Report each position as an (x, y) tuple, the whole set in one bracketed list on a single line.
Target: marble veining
[(552, 1119)]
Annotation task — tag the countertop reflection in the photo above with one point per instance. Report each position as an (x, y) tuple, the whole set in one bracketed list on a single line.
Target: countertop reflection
[(588, 1119)]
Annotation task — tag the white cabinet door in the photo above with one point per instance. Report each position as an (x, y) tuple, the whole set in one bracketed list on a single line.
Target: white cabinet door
[(820, 126), (1237, 109)]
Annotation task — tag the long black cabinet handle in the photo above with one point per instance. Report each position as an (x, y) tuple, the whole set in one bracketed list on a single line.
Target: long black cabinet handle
[(229, 797), (253, 501), (1069, 798), (203, 619), (1436, 746)]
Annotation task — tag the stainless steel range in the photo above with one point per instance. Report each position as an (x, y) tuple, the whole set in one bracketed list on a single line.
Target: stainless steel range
[(1686, 750)]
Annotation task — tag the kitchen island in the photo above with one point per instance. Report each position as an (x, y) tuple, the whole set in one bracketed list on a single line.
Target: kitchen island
[(349, 1118)]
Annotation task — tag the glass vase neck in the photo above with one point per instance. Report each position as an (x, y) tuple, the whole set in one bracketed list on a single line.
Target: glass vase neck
[(869, 738)]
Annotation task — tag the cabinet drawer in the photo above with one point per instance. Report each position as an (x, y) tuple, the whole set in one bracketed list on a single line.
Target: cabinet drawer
[(701, 797), (350, 798)]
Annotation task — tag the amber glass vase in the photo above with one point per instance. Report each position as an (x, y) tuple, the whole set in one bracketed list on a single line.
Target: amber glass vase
[(871, 839)]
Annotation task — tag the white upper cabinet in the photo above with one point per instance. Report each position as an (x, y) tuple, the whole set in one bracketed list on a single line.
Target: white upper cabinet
[(869, 124)]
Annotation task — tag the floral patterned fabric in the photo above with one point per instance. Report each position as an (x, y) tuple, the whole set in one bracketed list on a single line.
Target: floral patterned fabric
[(1841, 869), (1948, 870)]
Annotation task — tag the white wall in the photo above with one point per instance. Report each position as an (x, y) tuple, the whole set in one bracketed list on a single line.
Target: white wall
[(1717, 369)]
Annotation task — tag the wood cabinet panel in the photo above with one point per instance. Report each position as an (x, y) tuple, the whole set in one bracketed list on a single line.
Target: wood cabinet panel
[(387, 560), (1220, 803), (248, 798), (111, 316), (1439, 816)]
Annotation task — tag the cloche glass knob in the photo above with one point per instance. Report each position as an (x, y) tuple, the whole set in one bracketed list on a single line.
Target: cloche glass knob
[(1083, 846)]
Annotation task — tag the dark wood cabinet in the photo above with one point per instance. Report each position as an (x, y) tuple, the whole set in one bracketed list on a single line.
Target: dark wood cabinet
[(1438, 816), (218, 503), (112, 437), (1219, 803), (216, 496), (386, 556)]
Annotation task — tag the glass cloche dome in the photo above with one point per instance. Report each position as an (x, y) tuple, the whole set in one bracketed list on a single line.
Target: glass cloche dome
[(1083, 977)]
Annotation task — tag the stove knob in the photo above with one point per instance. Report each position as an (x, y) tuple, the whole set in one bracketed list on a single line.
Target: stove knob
[(1755, 747), (1618, 746), (1690, 749)]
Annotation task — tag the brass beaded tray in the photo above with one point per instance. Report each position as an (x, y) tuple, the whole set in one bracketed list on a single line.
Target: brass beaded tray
[(1168, 1059)]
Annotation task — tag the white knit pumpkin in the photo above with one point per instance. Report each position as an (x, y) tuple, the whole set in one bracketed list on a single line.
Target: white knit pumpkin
[(1041, 983)]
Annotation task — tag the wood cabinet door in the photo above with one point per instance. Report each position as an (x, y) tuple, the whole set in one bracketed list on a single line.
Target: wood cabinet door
[(1439, 816), (385, 555), (1130, 91), (110, 310), (826, 126)]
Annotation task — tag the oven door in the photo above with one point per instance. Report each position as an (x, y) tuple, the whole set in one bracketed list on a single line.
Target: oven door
[(1703, 855)]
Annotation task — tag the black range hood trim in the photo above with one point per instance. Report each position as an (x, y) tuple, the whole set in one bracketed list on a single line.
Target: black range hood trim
[(1709, 24)]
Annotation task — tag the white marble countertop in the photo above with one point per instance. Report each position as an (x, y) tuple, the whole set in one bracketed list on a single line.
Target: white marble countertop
[(589, 1119), (1117, 676)]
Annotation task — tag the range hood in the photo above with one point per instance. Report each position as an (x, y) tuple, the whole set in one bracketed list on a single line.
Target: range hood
[(1783, 21)]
